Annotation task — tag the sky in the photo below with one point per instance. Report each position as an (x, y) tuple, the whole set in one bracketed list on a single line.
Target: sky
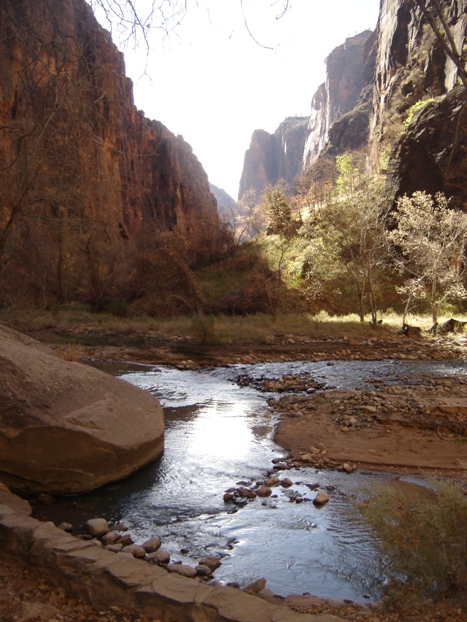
[(224, 72)]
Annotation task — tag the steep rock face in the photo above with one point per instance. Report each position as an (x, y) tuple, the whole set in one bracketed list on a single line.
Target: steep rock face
[(81, 169), (411, 66), (432, 154), (349, 68), (274, 157), (66, 427)]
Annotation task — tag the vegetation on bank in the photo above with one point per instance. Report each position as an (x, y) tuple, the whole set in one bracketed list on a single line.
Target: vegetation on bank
[(422, 541), (80, 325)]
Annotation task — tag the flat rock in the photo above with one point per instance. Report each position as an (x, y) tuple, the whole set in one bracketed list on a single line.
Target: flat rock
[(80, 428)]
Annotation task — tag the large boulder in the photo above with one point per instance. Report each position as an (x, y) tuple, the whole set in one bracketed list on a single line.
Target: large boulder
[(67, 427)]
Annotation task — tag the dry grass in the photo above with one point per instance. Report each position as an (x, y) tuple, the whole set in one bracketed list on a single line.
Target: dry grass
[(76, 321), (422, 542)]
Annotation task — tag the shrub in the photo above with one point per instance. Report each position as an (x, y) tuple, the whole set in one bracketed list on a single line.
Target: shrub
[(203, 329), (422, 542), (415, 108)]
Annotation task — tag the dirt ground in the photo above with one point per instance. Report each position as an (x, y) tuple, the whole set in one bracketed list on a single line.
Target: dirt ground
[(393, 425)]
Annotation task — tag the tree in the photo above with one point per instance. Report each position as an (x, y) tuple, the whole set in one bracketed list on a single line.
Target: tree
[(248, 219), (347, 233), (281, 221), (430, 240), (278, 211)]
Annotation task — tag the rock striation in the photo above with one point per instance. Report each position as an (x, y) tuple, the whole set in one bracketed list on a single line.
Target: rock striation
[(274, 157), (82, 171), (67, 427)]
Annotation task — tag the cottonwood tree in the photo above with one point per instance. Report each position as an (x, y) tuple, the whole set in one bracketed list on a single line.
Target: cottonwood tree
[(430, 240), (346, 234), (281, 221)]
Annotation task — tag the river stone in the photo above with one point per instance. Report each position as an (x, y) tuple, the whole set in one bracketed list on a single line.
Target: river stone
[(112, 537), (152, 545), (321, 499), (182, 569), (211, 562), (97, 527), (256, 586), (203, 571), (264, 491), (67, 427), (135, 549), (160, 557), (126, 539)]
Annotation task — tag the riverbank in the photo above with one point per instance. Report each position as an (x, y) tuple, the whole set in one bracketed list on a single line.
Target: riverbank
[(398, 424)]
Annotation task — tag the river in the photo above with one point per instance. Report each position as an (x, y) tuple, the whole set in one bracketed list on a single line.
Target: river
[(219, 433)]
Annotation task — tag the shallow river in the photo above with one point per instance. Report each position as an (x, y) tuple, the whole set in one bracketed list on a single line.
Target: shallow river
[(218, 433)]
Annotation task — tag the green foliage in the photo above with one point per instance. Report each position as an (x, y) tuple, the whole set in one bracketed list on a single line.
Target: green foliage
[(347, 245), (422, 542), (415, 108), (279, 212), (431, 240)]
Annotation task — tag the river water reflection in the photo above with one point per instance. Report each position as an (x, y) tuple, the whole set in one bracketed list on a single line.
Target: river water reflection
[(218, 433)]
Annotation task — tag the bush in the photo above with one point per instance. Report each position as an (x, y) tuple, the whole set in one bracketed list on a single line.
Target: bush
[(422, 542), (203, 329)]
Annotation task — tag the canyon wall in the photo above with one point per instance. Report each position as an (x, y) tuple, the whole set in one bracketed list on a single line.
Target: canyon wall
[(274, 157), (339, 120), (83, 173), (344, 97), (427, 153)]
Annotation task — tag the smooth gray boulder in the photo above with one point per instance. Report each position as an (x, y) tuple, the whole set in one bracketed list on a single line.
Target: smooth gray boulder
[(67, 427)]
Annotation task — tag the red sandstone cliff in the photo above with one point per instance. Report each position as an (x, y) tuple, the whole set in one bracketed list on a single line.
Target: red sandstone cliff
[(274, 157), (83, 174)]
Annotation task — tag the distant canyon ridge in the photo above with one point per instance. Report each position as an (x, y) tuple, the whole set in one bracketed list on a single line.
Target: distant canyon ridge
[(372, 81), (101, 204)]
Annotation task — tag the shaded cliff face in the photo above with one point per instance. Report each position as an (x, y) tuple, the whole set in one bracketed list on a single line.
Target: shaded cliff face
[(349, 69), (432, 154), (274, 157), (411, 66), (82, 172)]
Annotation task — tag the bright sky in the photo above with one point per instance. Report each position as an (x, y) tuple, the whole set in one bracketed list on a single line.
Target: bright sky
[(210, 82)]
